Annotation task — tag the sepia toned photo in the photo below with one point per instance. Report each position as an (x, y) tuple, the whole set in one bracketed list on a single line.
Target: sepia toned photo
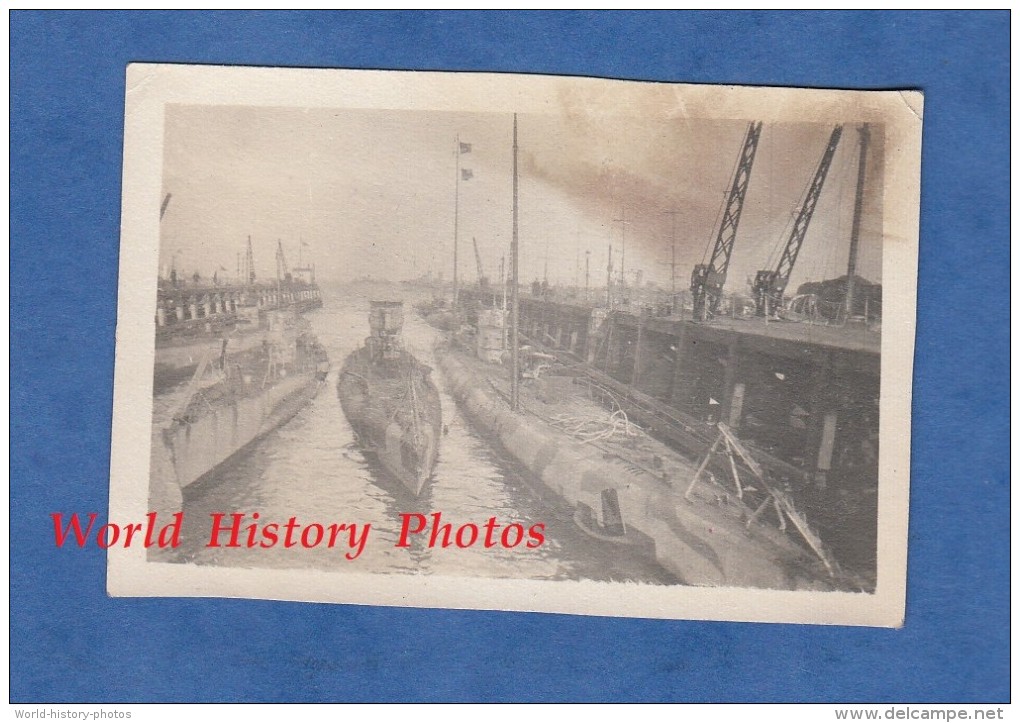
[(514, 342)]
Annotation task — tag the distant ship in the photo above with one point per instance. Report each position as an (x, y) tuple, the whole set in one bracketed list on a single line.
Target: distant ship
[(391, 402)]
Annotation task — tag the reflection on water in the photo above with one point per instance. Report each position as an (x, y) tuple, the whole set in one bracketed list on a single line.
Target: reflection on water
[(312, 470)]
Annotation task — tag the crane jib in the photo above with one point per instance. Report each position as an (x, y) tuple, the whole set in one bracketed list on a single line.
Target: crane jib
[(708, 279), (770, 284)]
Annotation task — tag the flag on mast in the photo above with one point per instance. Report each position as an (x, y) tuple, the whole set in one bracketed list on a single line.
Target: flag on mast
[(466, 174), (465, 147)]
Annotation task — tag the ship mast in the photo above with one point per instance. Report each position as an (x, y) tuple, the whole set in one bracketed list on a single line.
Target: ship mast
[(456, 214), (249, 265), (855, 231), (464, 174), (515, 382), (609, 280), (672, 255), (587, 274)]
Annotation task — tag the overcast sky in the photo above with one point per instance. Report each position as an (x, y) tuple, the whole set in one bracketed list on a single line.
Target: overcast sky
[(371, 192)]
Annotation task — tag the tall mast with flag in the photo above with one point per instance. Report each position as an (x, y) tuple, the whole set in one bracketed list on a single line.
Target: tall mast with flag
[(463, 174), (515, 389)]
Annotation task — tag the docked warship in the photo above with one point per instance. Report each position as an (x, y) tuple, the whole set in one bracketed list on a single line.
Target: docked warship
[(195, 318), (391, 402), (231, 402)]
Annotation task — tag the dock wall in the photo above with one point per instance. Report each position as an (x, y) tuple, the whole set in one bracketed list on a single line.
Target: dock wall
[(809, 401), (181, 307), (805, 395)]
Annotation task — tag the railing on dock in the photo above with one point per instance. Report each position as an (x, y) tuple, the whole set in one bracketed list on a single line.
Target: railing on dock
[(692, 435)]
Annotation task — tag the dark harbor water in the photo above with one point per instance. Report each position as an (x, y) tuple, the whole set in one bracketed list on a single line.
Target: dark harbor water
[(313, 470)]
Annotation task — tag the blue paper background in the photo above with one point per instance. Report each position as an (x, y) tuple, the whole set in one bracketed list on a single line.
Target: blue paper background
[(70, 642)]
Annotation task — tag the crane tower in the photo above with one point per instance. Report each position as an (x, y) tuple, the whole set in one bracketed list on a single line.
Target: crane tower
[(707, 280)]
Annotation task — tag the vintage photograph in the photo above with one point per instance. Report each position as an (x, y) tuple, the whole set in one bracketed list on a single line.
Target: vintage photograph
[(515, 342)]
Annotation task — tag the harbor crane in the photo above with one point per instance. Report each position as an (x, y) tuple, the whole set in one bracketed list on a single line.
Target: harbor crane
[(282, 272), (769, 284), (707, 280), (483, 280)]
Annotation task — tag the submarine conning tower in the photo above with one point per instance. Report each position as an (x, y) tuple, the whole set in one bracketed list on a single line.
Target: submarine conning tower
[(385, 322)]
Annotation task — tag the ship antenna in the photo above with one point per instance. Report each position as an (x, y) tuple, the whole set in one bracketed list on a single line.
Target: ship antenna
[(515, 391)]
